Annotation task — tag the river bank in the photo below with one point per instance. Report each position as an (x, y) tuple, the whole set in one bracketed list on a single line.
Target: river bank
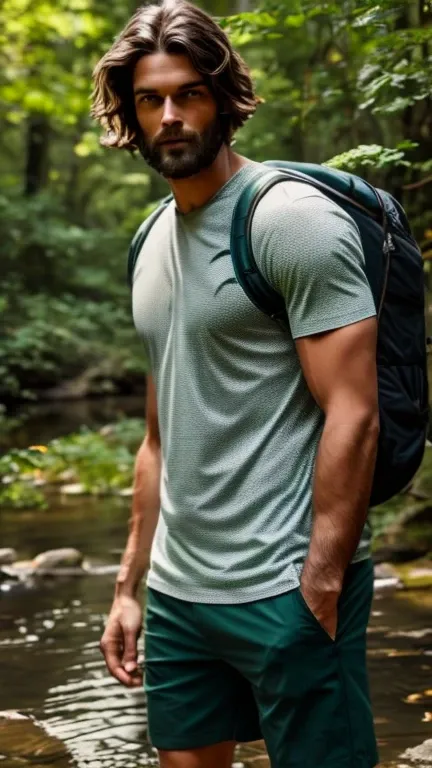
[(50, 627), (52, 669), (87, 448)]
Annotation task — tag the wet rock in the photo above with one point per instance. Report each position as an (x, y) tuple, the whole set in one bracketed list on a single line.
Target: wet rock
[(419, 514), (4, 575), (386, 577), (67, 475), (8, 556), (103, 570), (73, 489), (126, 492), (58, 558), (421, 755), (53, 563), (417, 575), (385, 571), (13, 714), (400, 552), (409, 536), (24, 739), (18, 571)]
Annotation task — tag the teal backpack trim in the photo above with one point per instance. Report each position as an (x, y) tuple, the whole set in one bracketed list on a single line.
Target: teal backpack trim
[(140, 236), (343, 188), (328, 180)]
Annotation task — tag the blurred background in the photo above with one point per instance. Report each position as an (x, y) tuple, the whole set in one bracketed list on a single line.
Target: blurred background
[(346, 83)]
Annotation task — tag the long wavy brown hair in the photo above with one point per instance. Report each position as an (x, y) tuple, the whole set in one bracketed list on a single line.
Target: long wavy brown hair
[(177, 27)]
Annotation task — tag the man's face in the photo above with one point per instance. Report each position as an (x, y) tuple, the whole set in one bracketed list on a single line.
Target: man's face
[(177, 114)]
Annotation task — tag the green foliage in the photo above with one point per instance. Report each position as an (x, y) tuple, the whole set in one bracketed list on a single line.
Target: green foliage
[(48, 49), (7, 425), (53, 339), (21, 495), (66, 305), (100, 462), (341, 80), (374, 156)]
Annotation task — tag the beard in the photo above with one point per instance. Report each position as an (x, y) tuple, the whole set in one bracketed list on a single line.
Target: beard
[(184, 160)]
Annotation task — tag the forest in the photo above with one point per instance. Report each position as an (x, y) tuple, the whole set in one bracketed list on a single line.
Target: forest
[(345, 83)]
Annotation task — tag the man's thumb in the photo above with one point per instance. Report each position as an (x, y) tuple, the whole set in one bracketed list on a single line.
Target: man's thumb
[(130, 651)]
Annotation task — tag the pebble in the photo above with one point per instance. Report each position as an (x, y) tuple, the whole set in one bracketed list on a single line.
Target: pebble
[(8, 556)]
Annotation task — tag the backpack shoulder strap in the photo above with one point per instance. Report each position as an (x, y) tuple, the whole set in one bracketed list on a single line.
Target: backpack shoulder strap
[(342, 188), (140, 236), (249, 277)]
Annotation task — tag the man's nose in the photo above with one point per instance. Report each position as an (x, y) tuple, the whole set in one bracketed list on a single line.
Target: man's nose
[(171, 113)]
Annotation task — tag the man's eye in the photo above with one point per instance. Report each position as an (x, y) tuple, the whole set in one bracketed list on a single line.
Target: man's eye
[(147, 99), (192, 93)]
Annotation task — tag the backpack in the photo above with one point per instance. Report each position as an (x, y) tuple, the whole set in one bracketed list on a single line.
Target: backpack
[(394, 269)]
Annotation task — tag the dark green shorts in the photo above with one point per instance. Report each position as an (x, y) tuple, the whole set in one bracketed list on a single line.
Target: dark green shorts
[(264, 669)]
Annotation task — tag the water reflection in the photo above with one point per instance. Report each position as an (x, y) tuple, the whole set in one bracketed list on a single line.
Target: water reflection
[(51, 667)]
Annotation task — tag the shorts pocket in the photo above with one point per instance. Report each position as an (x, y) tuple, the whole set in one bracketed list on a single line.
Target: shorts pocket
[(307, 613)]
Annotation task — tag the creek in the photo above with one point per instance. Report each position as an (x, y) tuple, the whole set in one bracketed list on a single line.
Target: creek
[(51, 667)]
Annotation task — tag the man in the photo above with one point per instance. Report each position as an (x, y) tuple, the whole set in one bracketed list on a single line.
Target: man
[(252, 483)]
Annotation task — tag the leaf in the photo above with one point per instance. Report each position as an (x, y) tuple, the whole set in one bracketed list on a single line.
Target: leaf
[(367, 18), (334, 56), (135, 179), (295, 21)]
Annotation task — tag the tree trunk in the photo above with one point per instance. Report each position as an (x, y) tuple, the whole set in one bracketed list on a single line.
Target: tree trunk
[(417, 118), (37, 164)]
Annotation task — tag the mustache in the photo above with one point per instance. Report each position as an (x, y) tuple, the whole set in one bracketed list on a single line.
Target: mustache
[(170, 135)]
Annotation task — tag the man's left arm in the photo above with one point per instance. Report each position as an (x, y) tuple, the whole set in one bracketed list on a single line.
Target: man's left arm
[(309, 249), (340, 369)]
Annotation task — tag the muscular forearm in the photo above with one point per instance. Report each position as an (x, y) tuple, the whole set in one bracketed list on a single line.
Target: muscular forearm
[(342, 483), (143, 521)]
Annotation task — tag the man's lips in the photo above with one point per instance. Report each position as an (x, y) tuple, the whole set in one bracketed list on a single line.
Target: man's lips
[(174, 141)]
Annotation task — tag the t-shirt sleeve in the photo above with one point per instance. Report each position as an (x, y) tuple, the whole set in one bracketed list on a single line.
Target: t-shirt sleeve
[(309, 250)]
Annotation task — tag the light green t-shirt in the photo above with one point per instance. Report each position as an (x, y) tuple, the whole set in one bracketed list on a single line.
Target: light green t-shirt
[(239, 427)]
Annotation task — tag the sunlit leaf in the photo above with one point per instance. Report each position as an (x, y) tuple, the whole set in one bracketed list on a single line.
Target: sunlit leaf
[(135, 179), (295, 21), (334, 56)]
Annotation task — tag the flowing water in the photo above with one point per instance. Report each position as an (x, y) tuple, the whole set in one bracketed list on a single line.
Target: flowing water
[(51, 667)]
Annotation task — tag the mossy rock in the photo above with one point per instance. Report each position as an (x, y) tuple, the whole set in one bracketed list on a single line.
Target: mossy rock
[(403, 530), (417, 575), (423, 480)]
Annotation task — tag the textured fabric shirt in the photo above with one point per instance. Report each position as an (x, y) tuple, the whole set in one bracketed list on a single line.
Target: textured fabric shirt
[(239, 428)]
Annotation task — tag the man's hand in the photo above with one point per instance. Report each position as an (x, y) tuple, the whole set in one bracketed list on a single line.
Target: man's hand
[(119, 641), (321, 594)]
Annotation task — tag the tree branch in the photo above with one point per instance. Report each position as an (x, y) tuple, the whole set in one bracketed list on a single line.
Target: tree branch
[(418, 184)]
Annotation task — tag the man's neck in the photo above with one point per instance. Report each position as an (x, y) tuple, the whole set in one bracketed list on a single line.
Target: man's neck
[(196, 191)]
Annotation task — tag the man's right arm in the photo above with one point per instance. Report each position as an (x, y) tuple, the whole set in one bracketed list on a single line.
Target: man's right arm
[(119, 642), (145, 504)]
